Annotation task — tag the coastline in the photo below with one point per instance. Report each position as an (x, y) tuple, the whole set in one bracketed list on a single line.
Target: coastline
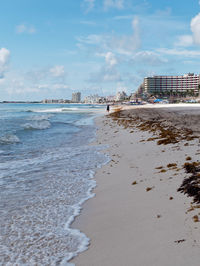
[(137, 216)]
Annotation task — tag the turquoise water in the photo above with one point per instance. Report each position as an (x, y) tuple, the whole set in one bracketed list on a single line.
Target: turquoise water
[(46, 170)]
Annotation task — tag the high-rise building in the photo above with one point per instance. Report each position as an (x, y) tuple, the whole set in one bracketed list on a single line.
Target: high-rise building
[(76, 97), (187, 84)]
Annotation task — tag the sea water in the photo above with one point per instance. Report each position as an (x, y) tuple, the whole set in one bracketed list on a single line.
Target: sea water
[(46, 172)]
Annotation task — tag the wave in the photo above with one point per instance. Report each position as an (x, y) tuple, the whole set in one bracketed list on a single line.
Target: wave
[(70, 109), (9, 139), (56, 110), (61, 110), (37, 125)]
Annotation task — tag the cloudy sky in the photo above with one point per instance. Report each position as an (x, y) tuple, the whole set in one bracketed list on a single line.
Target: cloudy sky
[(48, 49)]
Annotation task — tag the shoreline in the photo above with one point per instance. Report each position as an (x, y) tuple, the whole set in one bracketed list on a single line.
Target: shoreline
[(137, 216)]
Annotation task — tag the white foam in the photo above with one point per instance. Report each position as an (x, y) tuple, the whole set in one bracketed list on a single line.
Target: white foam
[(85, 241), (9, 139), (62, 197), (37, 125), (72, 109), (56, 110)]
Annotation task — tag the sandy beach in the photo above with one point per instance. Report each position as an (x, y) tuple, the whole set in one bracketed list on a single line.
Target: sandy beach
[(137, 216)]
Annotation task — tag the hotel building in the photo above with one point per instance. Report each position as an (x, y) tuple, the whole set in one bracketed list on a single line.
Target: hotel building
[(185, 85), (76, 97)]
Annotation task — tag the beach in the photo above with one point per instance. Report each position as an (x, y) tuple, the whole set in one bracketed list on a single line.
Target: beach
[(138, 217)]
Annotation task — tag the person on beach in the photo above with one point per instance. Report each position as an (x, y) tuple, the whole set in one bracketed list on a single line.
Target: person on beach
[(108, 108)]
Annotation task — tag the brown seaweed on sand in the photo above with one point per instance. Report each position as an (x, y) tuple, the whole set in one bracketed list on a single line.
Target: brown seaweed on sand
[(192, 167), (195, 218), (149, 188), (191, 185), (179, 241), (163, 130), (171, 165)]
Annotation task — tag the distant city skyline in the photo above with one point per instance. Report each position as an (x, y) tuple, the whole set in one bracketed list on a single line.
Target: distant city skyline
[(50, 49)]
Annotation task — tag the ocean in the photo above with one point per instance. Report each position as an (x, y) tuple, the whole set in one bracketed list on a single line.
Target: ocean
[(47, 165)]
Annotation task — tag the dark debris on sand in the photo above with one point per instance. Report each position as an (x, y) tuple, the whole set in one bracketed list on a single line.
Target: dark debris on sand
[(164, 130), (191, 184), (168, 127)]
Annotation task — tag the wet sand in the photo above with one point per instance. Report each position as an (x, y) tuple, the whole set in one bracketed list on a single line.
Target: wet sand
[(137, 216)]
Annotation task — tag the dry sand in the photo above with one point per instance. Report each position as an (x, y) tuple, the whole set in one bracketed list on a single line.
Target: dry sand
[(137, 216)]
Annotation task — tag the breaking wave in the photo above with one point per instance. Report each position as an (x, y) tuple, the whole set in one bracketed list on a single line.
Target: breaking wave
[(37, 125), (9, 139)]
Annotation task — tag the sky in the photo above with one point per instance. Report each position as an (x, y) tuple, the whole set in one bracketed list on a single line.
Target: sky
[(49, 49)]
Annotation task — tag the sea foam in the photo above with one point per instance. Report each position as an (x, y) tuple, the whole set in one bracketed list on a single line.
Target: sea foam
[(44, 181), (37, 125), (9, 139)]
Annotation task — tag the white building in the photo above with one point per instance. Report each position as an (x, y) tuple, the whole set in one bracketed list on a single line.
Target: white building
[(120, 96), (110, 98), (94, 99)]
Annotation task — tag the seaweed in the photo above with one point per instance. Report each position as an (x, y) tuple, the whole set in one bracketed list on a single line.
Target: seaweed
[(180, 241), (195, 218), (171, 165), (163, 171), (191, 167), (160, 167), (164, 132), (191, 184), (149, 188)]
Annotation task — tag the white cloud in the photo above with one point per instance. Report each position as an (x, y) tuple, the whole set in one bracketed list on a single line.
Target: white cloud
[(92, 39), (55, 86), (108, 72), (89, 5), (36, 82), (148, 58), (4, 59), (111, 60), (184, 40), (57, 71), (118, 4), (53, 73), (22, 28), (179, 52), (189, 40), (104, 75), (126, 44), (18, 84), (195, 28), (121, 44)]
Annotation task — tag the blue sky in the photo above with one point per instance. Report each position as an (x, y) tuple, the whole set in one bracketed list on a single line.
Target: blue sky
[(49, 49)]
